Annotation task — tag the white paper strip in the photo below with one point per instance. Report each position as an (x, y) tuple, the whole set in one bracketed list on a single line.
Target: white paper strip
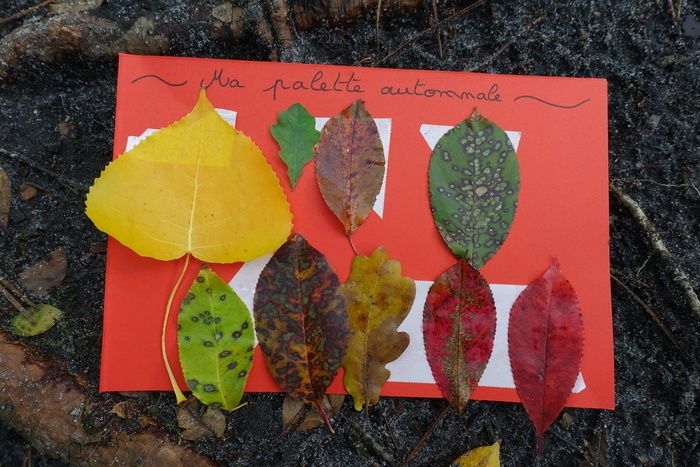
[(433, 133)]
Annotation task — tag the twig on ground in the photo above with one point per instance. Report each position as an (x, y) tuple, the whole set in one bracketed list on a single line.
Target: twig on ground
[(657, 244), (70, 185), (379, 15), (652, 314), (437, 33), (371, 442), (426, 435), (509, 44), (667, 185), (410, 41), (25, 12), (392, 435)]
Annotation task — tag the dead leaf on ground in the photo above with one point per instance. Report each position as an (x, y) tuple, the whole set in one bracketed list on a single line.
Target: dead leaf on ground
[(134, 394), (46, 274), (27, 191), (73, 6), (98, 247), (596, 452), (290, 408), (5, 195), (199, 421), (566, 420), (129, 411), (66, 129), (122, 409)]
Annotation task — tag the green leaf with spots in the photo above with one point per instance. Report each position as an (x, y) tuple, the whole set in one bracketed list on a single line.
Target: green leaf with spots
[(296, 134), (216, 341), (474, 183), (43, 317)]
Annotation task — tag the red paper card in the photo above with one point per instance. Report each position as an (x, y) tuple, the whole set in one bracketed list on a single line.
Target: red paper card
[(557, 125)]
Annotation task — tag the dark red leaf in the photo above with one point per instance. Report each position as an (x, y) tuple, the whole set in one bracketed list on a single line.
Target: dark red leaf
[(545, 344), (301, 320), (459, 324)]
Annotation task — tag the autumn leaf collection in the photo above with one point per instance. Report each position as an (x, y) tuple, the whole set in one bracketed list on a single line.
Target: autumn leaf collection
[(164, 200)]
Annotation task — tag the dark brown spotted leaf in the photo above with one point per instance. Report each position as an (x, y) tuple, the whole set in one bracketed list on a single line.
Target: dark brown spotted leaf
[(350, 165), (301, 319)]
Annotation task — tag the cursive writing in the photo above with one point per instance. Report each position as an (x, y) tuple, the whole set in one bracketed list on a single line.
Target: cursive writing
[(420, 89), (319, 83), (221, 80)]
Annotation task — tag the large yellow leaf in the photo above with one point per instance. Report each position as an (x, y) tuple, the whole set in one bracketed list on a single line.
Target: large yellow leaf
[(198, 186), (484, 456)]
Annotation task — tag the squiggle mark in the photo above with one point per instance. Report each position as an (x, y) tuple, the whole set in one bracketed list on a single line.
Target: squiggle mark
[(551, 103), (159, 79)]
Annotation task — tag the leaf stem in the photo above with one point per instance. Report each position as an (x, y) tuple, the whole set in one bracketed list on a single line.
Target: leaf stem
[(176, 388), (324, 416), (352, 245)]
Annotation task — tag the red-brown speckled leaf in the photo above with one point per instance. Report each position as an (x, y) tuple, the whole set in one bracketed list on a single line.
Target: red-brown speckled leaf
[(459, 325), (301, 320), (350, 165), (545, 344)]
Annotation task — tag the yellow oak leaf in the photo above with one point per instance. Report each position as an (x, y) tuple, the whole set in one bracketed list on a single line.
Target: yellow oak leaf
[(378, 298), (484, 456), (198, 186)]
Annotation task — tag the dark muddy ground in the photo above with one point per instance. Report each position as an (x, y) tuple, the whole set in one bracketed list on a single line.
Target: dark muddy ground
[(653, 71)]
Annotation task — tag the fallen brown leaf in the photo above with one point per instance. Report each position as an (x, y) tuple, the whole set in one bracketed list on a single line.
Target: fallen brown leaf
[(199, 421), (596, 452), (5, 196), (46, 274), (566, 420), (27, 191), (290, 408)]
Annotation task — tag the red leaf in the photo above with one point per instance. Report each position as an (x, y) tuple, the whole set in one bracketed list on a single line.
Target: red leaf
[(459, 324), (545, 344)]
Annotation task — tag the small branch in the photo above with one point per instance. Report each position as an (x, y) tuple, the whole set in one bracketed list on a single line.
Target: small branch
[(70, 185), (25, 12), (437, 33), (392, 435), (379, 15), (15, 303), (509, 44), (371, 442), (426, 435), (678, 275), (654, 318), (410, 41)]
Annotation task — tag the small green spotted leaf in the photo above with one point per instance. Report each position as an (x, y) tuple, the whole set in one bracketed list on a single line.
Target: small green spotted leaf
[(44, 316), (474, 184), (296, 134), (216, 341)]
